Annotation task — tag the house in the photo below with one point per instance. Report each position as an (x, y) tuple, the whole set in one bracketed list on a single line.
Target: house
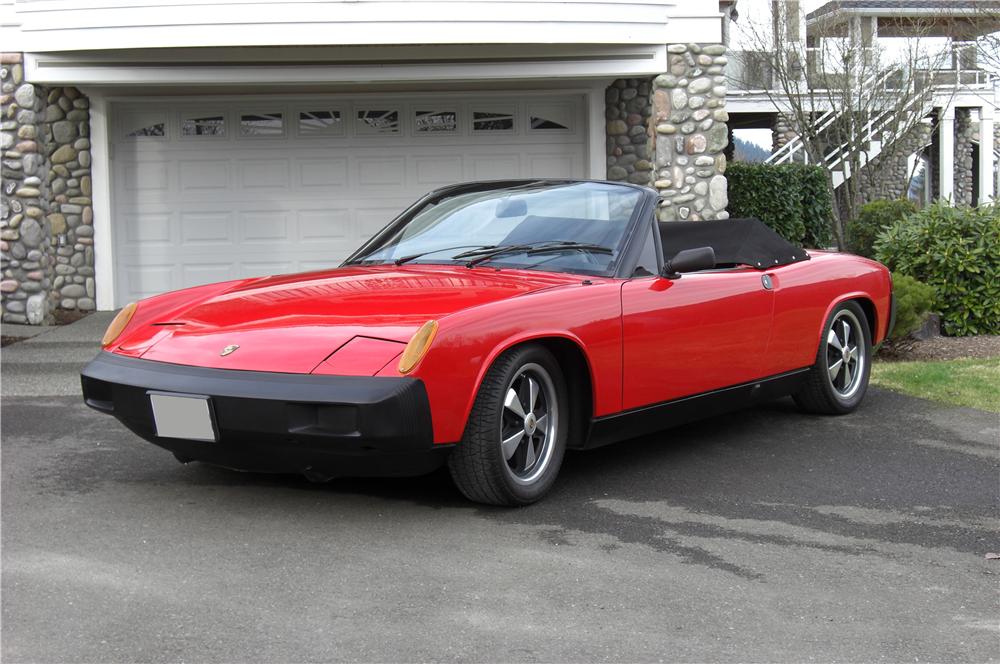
[(951, 95), (158, 145)]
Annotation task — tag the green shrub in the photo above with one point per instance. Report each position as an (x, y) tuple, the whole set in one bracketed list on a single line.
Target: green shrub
[(817, 207), (871, 220), (914, 300), (957, 252), (793, 199)]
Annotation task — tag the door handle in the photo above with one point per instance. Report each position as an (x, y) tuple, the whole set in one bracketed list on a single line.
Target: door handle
[(767, 282)]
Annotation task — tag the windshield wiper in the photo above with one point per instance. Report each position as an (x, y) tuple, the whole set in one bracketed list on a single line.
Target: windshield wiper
[(481, 256), (406, 259)]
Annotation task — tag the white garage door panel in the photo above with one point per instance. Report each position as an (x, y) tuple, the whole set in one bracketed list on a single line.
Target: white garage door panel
[(195, 209)]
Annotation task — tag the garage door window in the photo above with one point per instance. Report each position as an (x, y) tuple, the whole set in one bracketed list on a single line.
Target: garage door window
[(493, 120), (375, 122), (321, 123), (435, 122), (554, 117), (262, 124), (145, 125), (203, 125)]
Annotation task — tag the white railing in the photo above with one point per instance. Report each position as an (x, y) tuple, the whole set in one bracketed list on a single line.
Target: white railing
[(878, 132), (789, 150)]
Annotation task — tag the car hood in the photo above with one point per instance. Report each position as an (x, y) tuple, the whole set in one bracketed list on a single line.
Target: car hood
[(292, 323)]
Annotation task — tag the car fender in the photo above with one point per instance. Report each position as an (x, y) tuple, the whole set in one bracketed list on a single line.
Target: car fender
[(522, 338), (845, 297), (469, 342)]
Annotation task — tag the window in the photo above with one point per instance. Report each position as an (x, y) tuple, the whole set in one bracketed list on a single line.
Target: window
[(204, 125), (262, 124), (145, 125), (550, 117), (543, 215), (321, 123), (494, 121), (375, 122), (433, 122)]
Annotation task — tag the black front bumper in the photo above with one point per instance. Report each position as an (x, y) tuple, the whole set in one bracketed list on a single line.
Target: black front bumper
[(320, 426)]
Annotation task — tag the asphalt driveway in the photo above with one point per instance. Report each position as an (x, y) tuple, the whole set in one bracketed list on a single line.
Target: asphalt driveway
[(764, 535)]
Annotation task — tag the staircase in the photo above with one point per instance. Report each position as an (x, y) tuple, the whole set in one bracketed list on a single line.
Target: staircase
[(878, 132)]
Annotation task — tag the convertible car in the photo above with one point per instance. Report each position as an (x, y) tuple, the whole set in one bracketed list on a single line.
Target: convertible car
[(491, 327)]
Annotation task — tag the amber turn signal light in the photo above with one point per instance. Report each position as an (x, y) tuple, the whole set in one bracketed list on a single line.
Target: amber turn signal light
[(118, 324), (418, 346)]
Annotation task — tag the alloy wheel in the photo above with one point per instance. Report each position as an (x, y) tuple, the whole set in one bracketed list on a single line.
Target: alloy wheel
[(529, 423), (845, 354)]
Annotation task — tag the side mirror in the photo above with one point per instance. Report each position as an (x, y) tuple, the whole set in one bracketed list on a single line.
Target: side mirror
[(689, 260)]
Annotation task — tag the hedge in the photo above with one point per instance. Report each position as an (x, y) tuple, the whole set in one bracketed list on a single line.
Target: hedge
[(957, 252), (793, 199)]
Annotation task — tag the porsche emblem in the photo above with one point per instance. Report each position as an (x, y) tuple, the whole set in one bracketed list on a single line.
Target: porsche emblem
[(229, 350)]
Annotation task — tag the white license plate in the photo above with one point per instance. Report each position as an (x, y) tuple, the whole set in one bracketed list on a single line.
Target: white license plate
[(187, 416)]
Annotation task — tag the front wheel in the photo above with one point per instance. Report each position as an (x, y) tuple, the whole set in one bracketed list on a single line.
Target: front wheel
[(516, 434), (838, 380)]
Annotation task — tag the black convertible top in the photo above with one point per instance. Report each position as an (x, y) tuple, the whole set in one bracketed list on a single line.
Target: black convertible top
[(735, 241)]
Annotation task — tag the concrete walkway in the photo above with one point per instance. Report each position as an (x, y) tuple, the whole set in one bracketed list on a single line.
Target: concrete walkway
[(49, 362)]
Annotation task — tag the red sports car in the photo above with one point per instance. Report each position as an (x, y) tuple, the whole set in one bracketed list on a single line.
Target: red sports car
[(491, 327)]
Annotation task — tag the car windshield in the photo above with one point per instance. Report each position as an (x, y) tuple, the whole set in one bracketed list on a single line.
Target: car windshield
[(565, 227)]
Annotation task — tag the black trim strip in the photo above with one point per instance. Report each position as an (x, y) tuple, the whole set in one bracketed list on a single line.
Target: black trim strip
[(648, 419)]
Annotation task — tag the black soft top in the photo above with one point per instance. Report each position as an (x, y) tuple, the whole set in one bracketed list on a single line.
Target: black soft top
[(735, 241)]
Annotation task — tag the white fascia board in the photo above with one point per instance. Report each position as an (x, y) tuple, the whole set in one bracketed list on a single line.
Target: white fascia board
[(317, 33), (43, 68), (64, 25)]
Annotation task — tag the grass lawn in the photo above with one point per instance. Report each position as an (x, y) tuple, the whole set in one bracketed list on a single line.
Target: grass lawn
[(974, 383)]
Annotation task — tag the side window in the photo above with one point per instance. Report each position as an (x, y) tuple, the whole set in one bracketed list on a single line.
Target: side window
[(649, 262)]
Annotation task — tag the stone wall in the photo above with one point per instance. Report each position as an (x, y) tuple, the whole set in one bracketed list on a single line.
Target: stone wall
[(690, 133), (893, 179), (25, 232), (964, 166), (629, 144), (46, 231)]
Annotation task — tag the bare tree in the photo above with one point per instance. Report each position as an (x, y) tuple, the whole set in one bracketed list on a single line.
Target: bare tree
[(982, 28), (851, 99)]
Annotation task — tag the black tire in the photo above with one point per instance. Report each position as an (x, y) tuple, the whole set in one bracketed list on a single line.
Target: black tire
[(479, 465), (828, 389)]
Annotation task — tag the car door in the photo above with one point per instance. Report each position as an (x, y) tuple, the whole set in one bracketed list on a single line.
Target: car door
[(694, 334)]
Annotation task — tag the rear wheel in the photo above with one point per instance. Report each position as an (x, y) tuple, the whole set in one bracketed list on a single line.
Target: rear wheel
[(838, 380), (516, 434)]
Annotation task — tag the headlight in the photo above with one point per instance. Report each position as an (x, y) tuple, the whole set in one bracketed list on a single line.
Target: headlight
[(417, 348), (118, 324)]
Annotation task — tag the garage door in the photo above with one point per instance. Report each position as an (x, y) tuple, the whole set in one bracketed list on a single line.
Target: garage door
[(208, 191)]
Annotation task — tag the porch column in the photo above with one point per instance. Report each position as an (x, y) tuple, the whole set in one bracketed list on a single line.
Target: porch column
[(986, 158), (946, 154), (690, 133)]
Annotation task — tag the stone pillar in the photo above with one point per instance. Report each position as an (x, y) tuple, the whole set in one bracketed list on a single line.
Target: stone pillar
[(689, 116), (72, 214), (629, 146), (963, 156), (46, 232), (946, 154), (782, 131), (25, 234)]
